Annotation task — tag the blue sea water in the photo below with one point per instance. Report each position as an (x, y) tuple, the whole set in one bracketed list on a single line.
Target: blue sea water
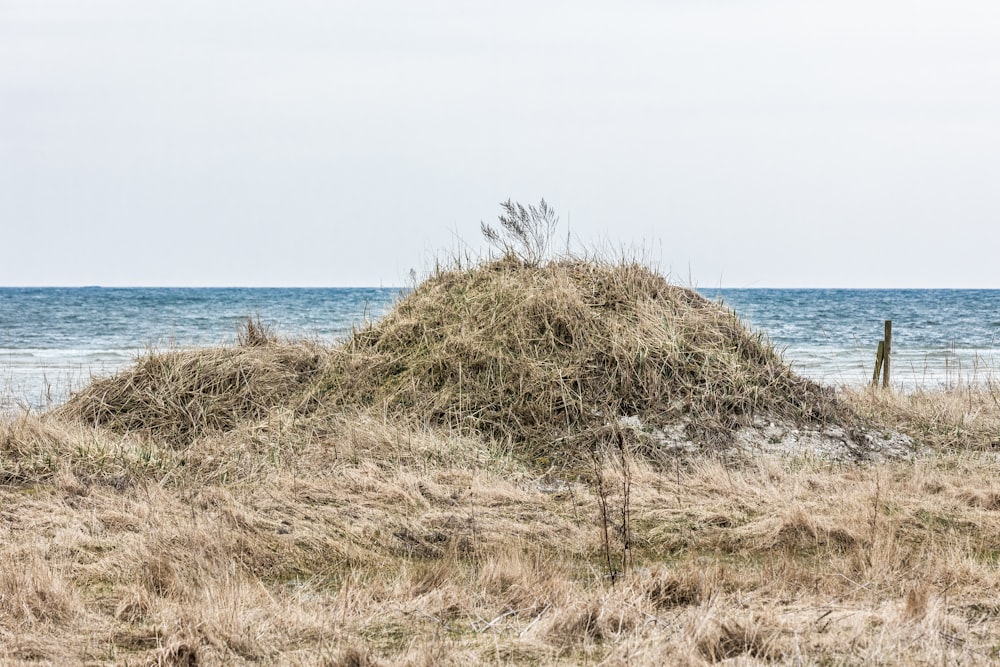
[(54, 339)]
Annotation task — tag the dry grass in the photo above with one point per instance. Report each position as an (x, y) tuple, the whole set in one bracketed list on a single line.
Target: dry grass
[(356, 541), (966, 417), (180, 394), (280, 503), (546, 356), (543, 358)]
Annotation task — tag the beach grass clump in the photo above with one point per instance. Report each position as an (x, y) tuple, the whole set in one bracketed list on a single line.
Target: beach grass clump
[(181, 394), (537, 354)]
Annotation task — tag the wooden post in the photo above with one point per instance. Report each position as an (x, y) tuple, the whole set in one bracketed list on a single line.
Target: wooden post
[(879, 357), (887, 353)]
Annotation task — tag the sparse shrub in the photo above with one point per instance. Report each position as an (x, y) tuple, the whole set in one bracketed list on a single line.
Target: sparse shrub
[(525, 233), (252, 332)]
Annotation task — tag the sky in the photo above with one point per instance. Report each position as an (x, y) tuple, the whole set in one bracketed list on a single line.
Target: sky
[(758, 143)]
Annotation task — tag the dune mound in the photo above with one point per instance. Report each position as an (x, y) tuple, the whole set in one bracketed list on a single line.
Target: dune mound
[(537, 355), (542, 358), (181, 394)]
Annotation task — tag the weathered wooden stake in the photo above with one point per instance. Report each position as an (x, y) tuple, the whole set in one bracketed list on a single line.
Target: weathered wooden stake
[(879, 356), (887, 353)]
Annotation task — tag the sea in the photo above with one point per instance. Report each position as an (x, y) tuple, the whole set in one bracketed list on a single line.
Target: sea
[(55, 340)]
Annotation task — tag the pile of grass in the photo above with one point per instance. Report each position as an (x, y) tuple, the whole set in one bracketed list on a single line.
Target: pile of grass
[(537, 355), (544, 358), (181, 394)]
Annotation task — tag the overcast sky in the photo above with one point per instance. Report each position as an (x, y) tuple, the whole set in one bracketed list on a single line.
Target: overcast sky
[(318, 143)]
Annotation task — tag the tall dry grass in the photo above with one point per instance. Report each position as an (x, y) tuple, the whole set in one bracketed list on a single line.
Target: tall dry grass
[(359, 541), (962, 418)]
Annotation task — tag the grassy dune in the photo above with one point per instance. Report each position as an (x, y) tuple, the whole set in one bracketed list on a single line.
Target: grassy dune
[(456, 484)]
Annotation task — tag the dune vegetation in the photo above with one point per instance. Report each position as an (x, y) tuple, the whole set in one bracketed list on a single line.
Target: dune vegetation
[(525, 462)]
